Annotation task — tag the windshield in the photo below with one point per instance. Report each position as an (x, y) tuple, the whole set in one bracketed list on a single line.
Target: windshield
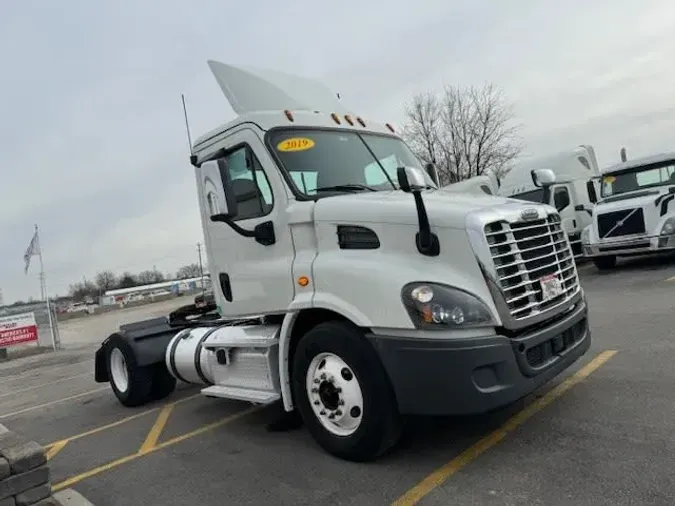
[(334, 158), (638, 179)]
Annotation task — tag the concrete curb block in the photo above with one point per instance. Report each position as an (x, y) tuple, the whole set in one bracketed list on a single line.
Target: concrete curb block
[(70, 497), (25, 479)]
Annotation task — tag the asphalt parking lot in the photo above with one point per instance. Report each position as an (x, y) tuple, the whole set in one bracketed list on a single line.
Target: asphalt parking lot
[(602, 434)]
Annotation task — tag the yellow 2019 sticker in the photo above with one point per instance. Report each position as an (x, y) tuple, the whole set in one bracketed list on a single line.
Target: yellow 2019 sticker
[(296, 144), (608, 179)]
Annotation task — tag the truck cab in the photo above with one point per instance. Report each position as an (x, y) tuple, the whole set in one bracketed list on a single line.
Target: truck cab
[(634, 214), (348, 286), (570, 195)]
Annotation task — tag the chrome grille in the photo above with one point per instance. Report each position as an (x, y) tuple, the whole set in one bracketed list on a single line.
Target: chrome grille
[(523, 254)]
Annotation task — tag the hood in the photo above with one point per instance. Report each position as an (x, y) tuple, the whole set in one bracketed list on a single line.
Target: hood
[(445, 208), (640, 199)]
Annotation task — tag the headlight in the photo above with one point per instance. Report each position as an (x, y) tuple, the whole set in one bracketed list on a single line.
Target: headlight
[(437, 307), (585, 235), (668, 227)]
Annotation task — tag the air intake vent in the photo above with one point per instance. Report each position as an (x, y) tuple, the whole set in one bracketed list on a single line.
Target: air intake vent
[(353, 237)]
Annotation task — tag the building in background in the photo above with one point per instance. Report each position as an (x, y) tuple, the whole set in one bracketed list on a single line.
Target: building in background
[(175, 287)]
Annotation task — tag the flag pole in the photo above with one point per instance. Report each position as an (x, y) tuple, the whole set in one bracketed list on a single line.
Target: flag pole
[(43, 288)]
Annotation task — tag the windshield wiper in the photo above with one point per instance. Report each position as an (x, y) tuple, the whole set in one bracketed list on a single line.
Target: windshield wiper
[(346, 187)]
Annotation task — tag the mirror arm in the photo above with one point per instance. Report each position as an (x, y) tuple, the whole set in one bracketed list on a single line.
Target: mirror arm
[(427, 242), (263, 233), (224, 218)]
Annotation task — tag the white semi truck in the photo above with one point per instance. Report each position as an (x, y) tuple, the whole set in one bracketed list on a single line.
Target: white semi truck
[(635, 212), (350, 289), (572, 193)]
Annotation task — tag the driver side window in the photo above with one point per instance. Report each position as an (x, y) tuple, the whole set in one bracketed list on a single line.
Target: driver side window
[(249, 183), (561, 198)]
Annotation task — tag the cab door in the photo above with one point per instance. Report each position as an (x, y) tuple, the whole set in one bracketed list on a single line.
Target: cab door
[(251, 277), (562, 198)]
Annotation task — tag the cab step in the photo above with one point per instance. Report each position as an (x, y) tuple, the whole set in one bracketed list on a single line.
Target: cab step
[(241, 394)]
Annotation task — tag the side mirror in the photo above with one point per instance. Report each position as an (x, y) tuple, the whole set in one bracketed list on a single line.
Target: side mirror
[(543, 177), (410, 179), (590, 188), (432, 170)]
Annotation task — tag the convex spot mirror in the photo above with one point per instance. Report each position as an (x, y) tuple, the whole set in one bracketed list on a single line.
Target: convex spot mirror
[(410, 179), (543, 177)]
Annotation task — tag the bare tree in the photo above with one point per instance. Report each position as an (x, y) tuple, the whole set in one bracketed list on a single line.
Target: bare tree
[(106, 280), (466, 132), (188, 271)]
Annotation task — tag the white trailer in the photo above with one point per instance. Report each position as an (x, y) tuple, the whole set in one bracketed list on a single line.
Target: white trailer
[(575, 170), (635, 213), (349, 288)]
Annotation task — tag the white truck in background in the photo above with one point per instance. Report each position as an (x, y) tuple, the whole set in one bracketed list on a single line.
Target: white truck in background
[(485, 184), (349, 288), (572, 194), (635, 212)]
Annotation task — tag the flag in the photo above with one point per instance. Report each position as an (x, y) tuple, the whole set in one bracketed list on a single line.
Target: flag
[(32, 250)]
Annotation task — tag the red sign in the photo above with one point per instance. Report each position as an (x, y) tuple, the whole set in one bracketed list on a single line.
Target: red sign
[(18, 329)]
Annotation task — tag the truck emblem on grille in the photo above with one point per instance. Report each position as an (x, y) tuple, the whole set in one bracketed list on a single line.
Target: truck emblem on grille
[(529, 214)]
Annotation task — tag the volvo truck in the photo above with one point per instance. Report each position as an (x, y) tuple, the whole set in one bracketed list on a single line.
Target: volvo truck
[(634, 214), (349, 289)]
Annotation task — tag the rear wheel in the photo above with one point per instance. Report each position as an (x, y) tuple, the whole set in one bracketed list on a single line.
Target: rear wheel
[(131, 384), (343, 393), (163, 384), (605, 263)]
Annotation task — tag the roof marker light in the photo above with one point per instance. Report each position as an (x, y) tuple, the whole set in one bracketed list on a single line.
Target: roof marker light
[(361, 122), (289, 115), (348, 118), (335, 117), (390, 128)]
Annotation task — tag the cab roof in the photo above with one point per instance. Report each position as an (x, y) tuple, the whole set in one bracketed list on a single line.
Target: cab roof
[(640, 162), (268, 99)]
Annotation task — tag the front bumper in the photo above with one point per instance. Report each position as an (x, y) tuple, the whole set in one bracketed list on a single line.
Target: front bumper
[(476, 375), (643, 245)]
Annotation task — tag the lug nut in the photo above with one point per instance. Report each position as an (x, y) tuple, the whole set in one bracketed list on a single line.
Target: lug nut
[(322, 412), (338, 413), (316, 381), (338, 390), (316, 403), (323, 375), (315, 390), (331, 416), (355, 412), (341, 403)]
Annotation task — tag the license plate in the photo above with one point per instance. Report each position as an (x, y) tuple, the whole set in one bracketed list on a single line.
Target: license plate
[(551, 287)]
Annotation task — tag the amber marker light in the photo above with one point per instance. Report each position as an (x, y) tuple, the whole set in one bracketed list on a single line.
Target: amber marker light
[(303, 281)]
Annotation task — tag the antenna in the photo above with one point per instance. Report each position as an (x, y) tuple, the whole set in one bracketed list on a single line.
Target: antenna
[(193, 158)]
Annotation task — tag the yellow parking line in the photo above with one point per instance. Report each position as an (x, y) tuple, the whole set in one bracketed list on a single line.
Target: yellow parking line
[(440, 475), (178, 439), (55, 448), (51, 403), (156, 430), (119, 422)]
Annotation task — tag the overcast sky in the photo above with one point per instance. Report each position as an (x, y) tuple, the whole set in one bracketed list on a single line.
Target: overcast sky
[(92, 139)]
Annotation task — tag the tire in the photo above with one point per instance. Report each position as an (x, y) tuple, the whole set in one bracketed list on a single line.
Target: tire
[(121, 364), (163, 384), (605, 263), (362, 433)]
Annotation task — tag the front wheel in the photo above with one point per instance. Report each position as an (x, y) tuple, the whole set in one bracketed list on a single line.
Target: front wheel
[(343, 393)]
